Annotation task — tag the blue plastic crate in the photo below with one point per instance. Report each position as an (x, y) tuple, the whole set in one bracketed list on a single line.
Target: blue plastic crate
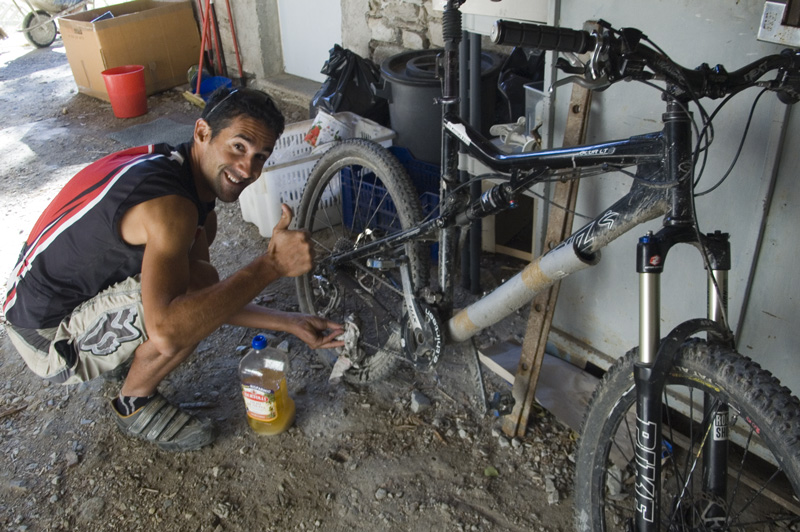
[(425, 176), (361, 191), (362, 185)]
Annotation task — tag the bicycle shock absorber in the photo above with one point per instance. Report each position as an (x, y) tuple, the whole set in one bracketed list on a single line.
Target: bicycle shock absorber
[(715, 454), (650, 256), (492, 201)]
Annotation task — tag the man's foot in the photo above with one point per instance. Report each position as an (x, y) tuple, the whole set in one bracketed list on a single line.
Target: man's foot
[(165, 425)]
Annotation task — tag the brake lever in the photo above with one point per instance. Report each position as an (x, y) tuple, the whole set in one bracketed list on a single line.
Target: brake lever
[(786, 85), (593, 85), (594, 70), (571, 66)]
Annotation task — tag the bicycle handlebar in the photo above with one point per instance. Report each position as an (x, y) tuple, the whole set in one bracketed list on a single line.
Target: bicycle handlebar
[(620, 55), (542, 37)]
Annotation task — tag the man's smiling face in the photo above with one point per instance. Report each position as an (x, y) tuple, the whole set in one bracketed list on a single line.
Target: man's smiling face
[(233, 159)]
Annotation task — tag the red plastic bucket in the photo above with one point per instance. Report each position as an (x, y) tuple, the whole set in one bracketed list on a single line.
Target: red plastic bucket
[(126, 90)]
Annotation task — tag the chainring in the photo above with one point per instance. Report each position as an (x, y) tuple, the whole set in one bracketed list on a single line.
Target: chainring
[(424, 346)]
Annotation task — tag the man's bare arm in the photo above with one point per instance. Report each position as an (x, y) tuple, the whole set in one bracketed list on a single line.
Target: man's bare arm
[(176, 317)]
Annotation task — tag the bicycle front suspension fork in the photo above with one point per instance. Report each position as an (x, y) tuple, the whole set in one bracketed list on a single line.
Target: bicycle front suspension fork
[(650, 377)]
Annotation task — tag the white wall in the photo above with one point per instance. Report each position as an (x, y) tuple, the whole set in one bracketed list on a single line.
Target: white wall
[(599, 306), (309, 29)]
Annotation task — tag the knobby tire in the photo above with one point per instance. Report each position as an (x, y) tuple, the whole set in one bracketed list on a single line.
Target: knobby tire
[(761, 412)]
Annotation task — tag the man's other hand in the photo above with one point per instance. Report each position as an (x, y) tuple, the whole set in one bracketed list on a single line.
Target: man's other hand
[(313, 331)]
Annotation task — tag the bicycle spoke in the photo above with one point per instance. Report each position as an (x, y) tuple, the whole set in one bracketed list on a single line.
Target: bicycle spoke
[(741, 465), (325, 210), (760, 491), (376, 210), (357, 200)]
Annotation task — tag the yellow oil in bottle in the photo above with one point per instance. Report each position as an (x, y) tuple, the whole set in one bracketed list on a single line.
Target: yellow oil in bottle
[(263, 371), (280, 415)]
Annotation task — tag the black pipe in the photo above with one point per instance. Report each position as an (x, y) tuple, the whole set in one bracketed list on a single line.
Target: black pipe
[(464, 109), (475, 187)]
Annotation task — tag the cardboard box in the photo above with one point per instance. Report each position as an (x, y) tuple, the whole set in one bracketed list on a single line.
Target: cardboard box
[(160, 35)]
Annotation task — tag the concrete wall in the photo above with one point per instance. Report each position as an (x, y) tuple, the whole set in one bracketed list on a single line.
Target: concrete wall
[(257, 28)]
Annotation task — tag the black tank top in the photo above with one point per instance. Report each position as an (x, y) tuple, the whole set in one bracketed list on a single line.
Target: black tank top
[(75, 250)]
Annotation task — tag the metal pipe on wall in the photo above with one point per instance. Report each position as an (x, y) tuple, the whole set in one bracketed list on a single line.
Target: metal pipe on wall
[(463, 83), (475, 188)]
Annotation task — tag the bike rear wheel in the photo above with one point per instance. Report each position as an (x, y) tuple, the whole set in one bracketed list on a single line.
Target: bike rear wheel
[(763, 466), (356, 193)]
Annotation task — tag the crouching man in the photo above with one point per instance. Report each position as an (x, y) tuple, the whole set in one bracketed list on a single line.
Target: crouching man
[(117, 272)]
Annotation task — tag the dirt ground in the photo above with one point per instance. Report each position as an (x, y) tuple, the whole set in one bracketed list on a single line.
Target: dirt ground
[(356, 459)]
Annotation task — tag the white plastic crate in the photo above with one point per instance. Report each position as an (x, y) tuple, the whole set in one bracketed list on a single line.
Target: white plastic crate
[(287, 170)]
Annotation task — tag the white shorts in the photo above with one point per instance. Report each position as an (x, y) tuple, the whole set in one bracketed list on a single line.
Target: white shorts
[(99, 335)]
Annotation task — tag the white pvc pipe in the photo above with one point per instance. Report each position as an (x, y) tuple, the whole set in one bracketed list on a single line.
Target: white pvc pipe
[(517, 291)]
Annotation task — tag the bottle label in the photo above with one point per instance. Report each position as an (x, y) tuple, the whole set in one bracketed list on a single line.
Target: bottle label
[(259, 402)]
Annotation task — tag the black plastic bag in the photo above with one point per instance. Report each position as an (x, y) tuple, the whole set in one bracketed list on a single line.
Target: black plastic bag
[(349, 87), (522, 66)]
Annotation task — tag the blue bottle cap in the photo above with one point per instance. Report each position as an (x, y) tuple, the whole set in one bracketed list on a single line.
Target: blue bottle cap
[(260, 342)]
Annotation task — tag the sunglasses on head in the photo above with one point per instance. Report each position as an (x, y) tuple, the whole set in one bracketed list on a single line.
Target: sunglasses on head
[(234, 91)]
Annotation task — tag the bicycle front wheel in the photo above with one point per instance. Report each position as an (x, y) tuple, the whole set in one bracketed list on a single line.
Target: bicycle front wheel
[(763, 453), (357, 193)]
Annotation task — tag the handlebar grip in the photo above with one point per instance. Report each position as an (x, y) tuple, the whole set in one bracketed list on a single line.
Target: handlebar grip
[(542, 37)]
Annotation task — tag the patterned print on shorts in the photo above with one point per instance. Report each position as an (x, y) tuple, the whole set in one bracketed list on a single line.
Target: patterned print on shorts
[(110, 331)]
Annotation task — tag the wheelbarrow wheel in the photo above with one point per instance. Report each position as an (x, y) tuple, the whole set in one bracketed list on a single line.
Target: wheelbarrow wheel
[(44, 35)]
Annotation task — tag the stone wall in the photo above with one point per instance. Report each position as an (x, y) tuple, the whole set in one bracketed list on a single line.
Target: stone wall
[(378, 29)]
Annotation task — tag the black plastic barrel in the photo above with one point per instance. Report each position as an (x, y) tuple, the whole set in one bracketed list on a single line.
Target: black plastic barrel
[(412, 88)]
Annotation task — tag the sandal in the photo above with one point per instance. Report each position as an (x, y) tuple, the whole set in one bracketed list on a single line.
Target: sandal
[(165, 425)]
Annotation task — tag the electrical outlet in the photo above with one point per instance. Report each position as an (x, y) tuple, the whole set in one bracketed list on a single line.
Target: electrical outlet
[(771, 29)]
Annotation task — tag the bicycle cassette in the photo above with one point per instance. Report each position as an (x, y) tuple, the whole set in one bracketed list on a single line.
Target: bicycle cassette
[(423, 346)]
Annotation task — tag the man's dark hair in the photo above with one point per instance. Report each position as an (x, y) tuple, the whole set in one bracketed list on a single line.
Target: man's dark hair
[(226, 104)]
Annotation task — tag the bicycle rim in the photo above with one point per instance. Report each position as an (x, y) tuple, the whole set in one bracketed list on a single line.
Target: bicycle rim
[(356, 194), (763, 451), (42, 36)]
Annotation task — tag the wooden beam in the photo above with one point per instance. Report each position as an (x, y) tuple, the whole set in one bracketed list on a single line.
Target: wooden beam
[(559, 227)]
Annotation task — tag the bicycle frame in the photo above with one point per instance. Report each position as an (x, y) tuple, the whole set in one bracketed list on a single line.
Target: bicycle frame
[(580, 250)]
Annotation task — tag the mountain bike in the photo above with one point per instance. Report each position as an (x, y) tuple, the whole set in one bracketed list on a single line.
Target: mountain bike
[(683, 433)]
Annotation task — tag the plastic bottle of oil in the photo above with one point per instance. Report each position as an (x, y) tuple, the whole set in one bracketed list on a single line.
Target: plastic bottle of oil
[(263, 371)]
